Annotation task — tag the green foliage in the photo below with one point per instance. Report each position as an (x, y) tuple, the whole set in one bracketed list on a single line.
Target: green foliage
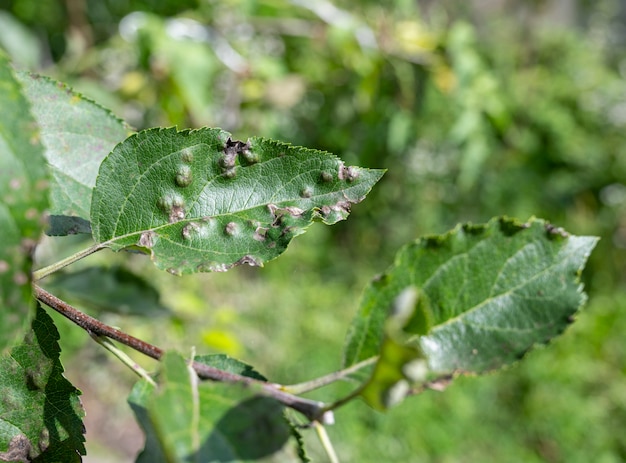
[(77, 135), (471, 120), (23, 193), (223, 202), (484, 295), (185, 419), (40, 413), (114, 290)]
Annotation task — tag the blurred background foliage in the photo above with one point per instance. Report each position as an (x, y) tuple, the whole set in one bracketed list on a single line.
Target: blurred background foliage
[(476, 108)]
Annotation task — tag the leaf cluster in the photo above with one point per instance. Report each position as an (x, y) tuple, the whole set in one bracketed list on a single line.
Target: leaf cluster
[(473, 300)]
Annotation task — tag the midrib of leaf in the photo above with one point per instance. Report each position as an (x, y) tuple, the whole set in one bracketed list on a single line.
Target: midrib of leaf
[(460, 318), (195, 202), (557, 261)]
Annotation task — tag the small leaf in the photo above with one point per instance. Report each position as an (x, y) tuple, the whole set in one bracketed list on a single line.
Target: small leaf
[(401, 363), (40, 412), (188, 420), (229, 364), (62, 225), (77, 134), (485, 295), (111, 289), (200, 202), (23, 200)]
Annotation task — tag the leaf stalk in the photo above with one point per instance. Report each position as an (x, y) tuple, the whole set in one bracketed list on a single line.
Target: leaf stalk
[(50, 269)]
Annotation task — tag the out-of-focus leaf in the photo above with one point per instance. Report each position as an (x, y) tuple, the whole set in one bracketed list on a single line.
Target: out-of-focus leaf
[(188, 420), (40, 412), (486, 294), (62, 225), (401, 363), (23, 200), (226, 363), (200, 202), (20, 43), (111, 289), (77, 134)]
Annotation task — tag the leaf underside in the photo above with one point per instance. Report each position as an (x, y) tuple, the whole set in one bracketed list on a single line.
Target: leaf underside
[(188, 420), (40, 411), (200, 202), (483, 296)]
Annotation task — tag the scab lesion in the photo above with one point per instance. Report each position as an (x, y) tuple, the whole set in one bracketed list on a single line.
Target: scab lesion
[(231, 229), (347, 173), (233, 150), (184, 176), (174, 205)]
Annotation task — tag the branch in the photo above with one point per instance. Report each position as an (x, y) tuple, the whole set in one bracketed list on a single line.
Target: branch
[(317, 383), (311, 409)]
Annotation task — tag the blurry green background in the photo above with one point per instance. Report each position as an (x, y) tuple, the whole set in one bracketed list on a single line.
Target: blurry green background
[(476, 108)]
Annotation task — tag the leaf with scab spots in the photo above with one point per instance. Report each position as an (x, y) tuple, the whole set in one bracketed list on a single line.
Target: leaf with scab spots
[(473, 300), (199, 201), (23, 200), (40, 411)]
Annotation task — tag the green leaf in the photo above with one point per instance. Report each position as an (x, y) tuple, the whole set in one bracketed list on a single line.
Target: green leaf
[(401, 364), (77, 134), (112, 289), (188, 420), (20, 42), (23, 200), (200, 202), (484, 296), (40, 412), (225, 363)]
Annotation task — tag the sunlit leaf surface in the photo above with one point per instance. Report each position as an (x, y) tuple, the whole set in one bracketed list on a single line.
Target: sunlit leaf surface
[(200, 202), (482, 297)]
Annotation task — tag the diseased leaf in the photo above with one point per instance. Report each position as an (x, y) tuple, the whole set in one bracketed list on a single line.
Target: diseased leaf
[(40, 412), (484, 296), (77, 134), (111, 289), (23, 200), (188, 420), (200, 202)]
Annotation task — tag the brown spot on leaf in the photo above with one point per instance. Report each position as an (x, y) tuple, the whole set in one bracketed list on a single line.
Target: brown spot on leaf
[(349, 173), (230, 229), (260, 234), (147, 239), (250, 260), (557, 231), (190, 230), (19, 450), (326, 177), (184, 177), (177, 213), (187, 156)]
